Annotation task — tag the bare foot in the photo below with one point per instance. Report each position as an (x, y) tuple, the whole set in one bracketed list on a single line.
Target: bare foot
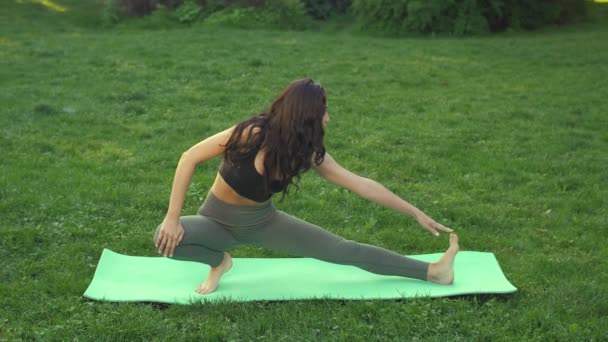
[(214, 276), (442, 271)]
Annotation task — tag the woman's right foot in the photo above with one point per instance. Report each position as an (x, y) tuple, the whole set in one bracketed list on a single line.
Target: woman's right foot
[(442, 271), (216, 273)]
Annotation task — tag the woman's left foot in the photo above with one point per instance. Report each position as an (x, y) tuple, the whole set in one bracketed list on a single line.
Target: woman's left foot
[(212, 281), (442, 271)]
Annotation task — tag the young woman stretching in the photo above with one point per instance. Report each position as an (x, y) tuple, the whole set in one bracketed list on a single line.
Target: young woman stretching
[(261, 156)]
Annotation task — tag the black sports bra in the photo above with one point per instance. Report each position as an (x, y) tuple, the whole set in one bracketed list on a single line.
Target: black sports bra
[(246, 180)]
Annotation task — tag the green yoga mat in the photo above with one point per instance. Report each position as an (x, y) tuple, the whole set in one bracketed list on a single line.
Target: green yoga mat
[(156, 279)]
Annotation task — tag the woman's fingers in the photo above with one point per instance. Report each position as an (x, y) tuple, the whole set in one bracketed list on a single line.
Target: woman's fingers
[(169, 247), (162, 244), (165, 245), (178, 239), (443, 228), (158, 238), (434, 226), (171, 242), (172, 247), (167, 241)]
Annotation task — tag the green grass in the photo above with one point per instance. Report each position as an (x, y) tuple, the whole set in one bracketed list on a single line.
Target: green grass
[(503, 138)]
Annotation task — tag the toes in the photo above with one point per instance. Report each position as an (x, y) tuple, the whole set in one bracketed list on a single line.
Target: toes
[(204, 289), (201, 289)]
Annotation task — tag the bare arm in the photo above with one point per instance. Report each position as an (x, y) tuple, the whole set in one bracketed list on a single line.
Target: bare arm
[(375, 192), (199, 153), (171, 232)]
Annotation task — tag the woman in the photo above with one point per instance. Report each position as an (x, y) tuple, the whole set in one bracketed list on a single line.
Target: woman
[(261, 156)]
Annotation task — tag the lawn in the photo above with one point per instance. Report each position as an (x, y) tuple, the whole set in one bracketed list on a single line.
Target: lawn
[(503, 138)]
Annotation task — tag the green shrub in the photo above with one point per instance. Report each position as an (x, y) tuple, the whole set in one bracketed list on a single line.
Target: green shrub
[(446, 16), (187, 12), (381, 15), (464, 16), (572, 11), (529, 15), (324, 9), (136, 8), (427, 16), (459, 17), (286, 14), (597, 12), (421, 16), (470, 19), (111, 13), (211, 6), (139, 8), (281, 14), (239, 17), (161, 18), (494, 11)]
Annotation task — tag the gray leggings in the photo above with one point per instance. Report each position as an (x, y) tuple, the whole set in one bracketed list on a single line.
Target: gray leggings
[(221, 226)]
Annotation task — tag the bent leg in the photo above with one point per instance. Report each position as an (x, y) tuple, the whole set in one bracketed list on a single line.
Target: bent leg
[(291, 235), (205, 240)]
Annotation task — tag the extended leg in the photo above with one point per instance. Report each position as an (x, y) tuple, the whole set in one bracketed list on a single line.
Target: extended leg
[(291, 235)]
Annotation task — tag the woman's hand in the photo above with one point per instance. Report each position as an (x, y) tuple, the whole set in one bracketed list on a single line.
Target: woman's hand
[(169, 236), (432, 226)]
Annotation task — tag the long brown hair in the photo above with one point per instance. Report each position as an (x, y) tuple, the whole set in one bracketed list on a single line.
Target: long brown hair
[(290, 132)]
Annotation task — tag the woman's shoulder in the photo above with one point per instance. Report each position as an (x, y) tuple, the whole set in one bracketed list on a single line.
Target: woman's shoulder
[(249, 132), (253, 126)]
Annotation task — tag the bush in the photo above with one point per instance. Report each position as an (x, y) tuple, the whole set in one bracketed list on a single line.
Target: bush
[(138, 8), (464, 16), (597, 12), (572, 11), (421, 16), (529, 15), (394, 17), (427, 16), (470, 19), (281, 14), (210, 7), (187, 12), (111, 13), (239, 17), (382, 15), (286, 14), (161, 18), (324, 9)]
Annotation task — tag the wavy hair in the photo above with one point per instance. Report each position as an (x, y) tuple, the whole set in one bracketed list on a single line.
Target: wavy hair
[(290, 132)]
